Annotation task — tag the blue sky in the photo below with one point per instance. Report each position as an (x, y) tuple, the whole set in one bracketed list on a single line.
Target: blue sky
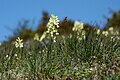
[(13, 11)]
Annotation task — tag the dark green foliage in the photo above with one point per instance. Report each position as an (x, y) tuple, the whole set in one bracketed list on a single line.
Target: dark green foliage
[(114, 21)]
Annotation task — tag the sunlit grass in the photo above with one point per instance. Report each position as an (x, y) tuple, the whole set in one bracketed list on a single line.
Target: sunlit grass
[(88, 55)]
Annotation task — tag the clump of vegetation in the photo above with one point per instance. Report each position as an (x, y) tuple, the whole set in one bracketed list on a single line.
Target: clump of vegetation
[(85, 53)]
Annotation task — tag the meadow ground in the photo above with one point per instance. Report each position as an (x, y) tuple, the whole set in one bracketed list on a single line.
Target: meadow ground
[(82, 55)]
